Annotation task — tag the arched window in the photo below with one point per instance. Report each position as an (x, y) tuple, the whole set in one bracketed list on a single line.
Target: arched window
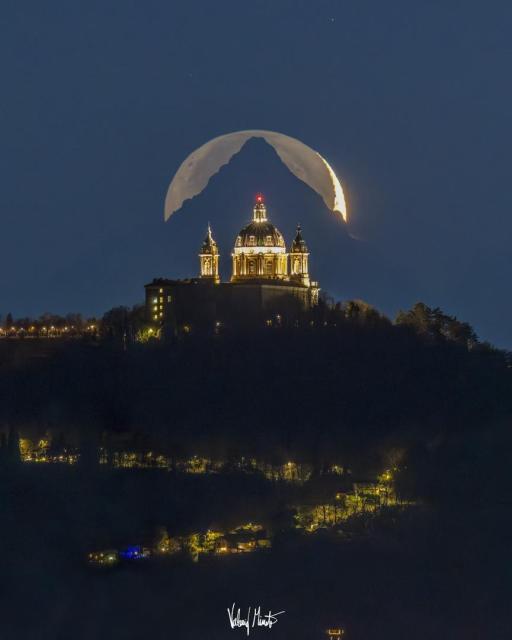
[(207, 267)]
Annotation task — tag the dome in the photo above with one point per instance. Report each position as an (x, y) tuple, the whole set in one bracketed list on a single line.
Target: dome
[(260, 234)]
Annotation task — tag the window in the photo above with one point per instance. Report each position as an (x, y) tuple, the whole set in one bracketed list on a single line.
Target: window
[(268, 241), (155, 300), (252, 267), (269, 267), (252, 241), (169, 298)]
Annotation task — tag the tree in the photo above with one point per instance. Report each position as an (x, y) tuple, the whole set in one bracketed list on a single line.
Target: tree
[(362, 312), (75, 322), (145, 334), (13, 455), (419, 317), (437, 325), (114, 323)]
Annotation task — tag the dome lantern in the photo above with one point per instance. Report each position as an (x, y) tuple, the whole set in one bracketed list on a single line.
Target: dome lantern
[(260, 250), (259, 212)]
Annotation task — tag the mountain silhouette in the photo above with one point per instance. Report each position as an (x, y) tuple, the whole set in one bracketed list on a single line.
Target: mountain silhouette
[(345, 267)]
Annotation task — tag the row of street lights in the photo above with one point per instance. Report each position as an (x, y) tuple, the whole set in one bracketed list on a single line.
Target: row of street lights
[(46, 331)]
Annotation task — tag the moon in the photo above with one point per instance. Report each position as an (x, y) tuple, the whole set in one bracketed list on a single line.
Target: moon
[(304, 162)]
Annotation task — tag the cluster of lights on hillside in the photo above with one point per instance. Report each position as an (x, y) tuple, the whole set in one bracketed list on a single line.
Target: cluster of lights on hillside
[(44, 331), (246, 538)]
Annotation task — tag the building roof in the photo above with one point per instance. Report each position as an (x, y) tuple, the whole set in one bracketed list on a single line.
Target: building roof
[(209, 245), (260, 234), (253, 282)]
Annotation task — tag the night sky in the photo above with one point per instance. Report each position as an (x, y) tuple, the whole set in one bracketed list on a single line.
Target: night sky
[(410, 102)]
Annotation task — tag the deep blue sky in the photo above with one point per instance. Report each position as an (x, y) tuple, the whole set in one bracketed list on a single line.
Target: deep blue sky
[(410, 102)]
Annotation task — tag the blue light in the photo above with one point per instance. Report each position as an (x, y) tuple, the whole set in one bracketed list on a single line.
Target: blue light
[(131, 553)]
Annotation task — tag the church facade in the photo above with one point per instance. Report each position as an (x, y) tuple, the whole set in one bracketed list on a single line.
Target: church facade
[(269, 285)]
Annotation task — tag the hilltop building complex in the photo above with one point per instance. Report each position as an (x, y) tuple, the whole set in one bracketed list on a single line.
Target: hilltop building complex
[(268, 283)]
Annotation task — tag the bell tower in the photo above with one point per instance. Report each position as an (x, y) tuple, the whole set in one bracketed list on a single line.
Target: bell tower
[(299, 270), (209, 259)]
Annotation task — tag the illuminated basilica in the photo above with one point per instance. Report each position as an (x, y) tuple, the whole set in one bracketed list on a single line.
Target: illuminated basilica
[(269, 285)]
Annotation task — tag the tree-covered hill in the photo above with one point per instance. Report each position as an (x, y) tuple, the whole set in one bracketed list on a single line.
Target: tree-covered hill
[(345, 380)]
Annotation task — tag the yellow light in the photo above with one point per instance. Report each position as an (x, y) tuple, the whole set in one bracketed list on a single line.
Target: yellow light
[(25, 446)]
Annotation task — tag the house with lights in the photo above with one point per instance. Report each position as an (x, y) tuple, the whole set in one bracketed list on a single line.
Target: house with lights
[(269, 284)]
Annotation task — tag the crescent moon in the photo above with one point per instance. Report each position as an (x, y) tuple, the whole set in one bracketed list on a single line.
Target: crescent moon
[(304, 162)]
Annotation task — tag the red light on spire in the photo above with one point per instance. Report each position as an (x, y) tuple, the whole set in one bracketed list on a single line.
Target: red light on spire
[(259, 198)]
